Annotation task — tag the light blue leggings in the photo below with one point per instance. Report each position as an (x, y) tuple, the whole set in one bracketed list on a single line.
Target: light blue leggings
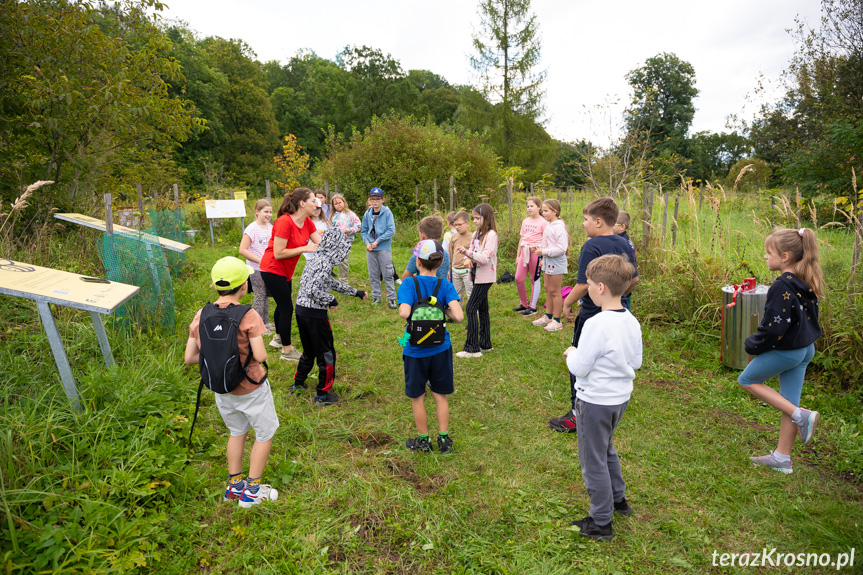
[(788, 364)]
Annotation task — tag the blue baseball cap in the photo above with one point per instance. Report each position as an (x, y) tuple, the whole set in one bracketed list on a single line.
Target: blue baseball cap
[(376, 193)]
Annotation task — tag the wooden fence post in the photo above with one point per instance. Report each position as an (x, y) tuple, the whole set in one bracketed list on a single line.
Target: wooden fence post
[(417, 194), (109, 215), (176, 197), (509, 197), (435, 194), (644, 226), (451, 190), (140, 206), (268, 190), (797, 208), (664, 215), (674, 222), (327, 189)]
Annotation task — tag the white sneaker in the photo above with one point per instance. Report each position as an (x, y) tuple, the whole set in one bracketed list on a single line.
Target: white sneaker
[(544, 320), (553, 326), (276, 341), (464, 354), (291, 355), (265, 493), (399, 282)]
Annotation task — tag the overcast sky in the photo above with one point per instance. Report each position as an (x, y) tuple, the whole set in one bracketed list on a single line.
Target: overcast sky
[(587, 46)]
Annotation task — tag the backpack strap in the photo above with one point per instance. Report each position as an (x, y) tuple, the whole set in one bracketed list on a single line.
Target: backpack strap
[(197, 405), (417, 284), (437, 287)]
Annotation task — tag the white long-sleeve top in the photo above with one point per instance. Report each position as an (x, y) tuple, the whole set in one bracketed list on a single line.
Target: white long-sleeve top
[(609, 352), (555, 239)]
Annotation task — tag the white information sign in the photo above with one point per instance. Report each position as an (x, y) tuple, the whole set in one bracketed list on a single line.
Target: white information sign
[(218, 209)]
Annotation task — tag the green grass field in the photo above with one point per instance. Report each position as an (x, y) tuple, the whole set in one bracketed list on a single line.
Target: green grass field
[(116, 489)]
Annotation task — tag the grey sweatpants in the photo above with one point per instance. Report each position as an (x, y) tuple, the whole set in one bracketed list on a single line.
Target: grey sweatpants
[(381, 262), (600, 466)]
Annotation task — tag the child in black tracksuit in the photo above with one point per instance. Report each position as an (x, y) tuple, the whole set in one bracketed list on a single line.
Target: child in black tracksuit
[(313, 300)]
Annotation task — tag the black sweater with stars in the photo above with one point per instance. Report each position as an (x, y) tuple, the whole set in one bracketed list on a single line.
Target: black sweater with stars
[(790, 317)]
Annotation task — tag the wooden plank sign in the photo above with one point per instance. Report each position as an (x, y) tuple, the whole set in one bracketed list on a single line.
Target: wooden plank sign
[(98, 224), (48, 286), (62, 288)]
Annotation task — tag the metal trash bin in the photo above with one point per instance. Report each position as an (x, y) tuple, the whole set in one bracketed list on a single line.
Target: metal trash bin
[(740, 318)]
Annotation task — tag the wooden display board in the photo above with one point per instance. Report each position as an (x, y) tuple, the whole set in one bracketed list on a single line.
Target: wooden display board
[(98, 224), (48, 286)]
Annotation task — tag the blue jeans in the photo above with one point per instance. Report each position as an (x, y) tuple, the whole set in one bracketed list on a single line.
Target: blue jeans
[(788, 364)]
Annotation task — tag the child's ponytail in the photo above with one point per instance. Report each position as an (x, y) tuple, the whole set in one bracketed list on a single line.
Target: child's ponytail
[(809, 267), (802, 247)]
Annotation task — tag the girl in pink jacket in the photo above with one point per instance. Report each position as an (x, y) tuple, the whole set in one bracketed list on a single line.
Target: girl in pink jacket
[(555, 245), (481, 257)]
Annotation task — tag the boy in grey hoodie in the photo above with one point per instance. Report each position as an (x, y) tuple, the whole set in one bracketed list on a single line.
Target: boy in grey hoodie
[(313, 300)]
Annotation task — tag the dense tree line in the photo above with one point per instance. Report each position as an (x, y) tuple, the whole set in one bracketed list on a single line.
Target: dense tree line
[(100, 97)]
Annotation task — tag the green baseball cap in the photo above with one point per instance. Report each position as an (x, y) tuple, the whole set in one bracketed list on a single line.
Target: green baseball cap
[(230, 272)]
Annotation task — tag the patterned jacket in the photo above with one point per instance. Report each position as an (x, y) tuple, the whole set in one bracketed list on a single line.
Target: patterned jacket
[(314, 297)]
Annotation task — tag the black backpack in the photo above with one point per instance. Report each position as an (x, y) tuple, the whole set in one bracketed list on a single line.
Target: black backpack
[(219, 358), (427, 320)]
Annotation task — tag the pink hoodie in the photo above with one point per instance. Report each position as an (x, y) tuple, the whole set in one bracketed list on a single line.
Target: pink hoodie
[(484, 256)]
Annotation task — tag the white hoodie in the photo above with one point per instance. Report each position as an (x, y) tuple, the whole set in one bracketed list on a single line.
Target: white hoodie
[(609, 351)]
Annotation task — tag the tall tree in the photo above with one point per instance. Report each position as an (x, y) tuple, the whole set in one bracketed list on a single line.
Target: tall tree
[(815, 133), (663, 91), (80, 92), (507, 54)]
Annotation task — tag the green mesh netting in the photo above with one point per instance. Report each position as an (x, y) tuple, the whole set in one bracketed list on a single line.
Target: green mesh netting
[(139, 260), (170, 224)]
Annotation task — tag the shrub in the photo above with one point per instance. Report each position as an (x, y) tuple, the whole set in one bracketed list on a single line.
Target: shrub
[(397, 153)]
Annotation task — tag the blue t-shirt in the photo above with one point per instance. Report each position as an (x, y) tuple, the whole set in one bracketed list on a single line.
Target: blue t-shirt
[(592, 249), (408, 294), (442, 272)]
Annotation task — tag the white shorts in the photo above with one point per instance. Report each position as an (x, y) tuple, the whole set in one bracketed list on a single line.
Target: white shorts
[(254, 410)]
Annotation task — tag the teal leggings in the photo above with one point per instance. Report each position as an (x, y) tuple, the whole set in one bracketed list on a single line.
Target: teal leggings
[(788, 364)]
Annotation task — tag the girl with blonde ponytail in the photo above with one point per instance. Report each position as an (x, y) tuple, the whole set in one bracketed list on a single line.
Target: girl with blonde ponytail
[(785, 341)]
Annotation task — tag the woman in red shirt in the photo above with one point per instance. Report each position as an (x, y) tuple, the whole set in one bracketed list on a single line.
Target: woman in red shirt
[(291, 234)]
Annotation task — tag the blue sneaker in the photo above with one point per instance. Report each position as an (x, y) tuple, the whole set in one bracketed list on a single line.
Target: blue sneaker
[(234, 491), (264, 493), (807, 424), (770, 461)]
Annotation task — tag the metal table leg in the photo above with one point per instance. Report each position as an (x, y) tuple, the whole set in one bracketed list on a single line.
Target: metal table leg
[(59, 353), (99, 327)]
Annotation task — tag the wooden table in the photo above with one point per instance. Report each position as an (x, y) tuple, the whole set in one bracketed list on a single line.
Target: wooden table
[(48, 286)]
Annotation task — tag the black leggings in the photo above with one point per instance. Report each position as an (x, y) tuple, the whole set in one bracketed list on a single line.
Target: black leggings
[(280, 290), (478, 320)]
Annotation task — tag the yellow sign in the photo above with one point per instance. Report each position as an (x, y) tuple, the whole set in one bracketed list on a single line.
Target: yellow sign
[(98, 224), (239, 195)]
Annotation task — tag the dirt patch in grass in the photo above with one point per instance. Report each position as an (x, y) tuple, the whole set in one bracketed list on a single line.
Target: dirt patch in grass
[(423, 485), (374, 440), (678, 388), (734, 419)]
